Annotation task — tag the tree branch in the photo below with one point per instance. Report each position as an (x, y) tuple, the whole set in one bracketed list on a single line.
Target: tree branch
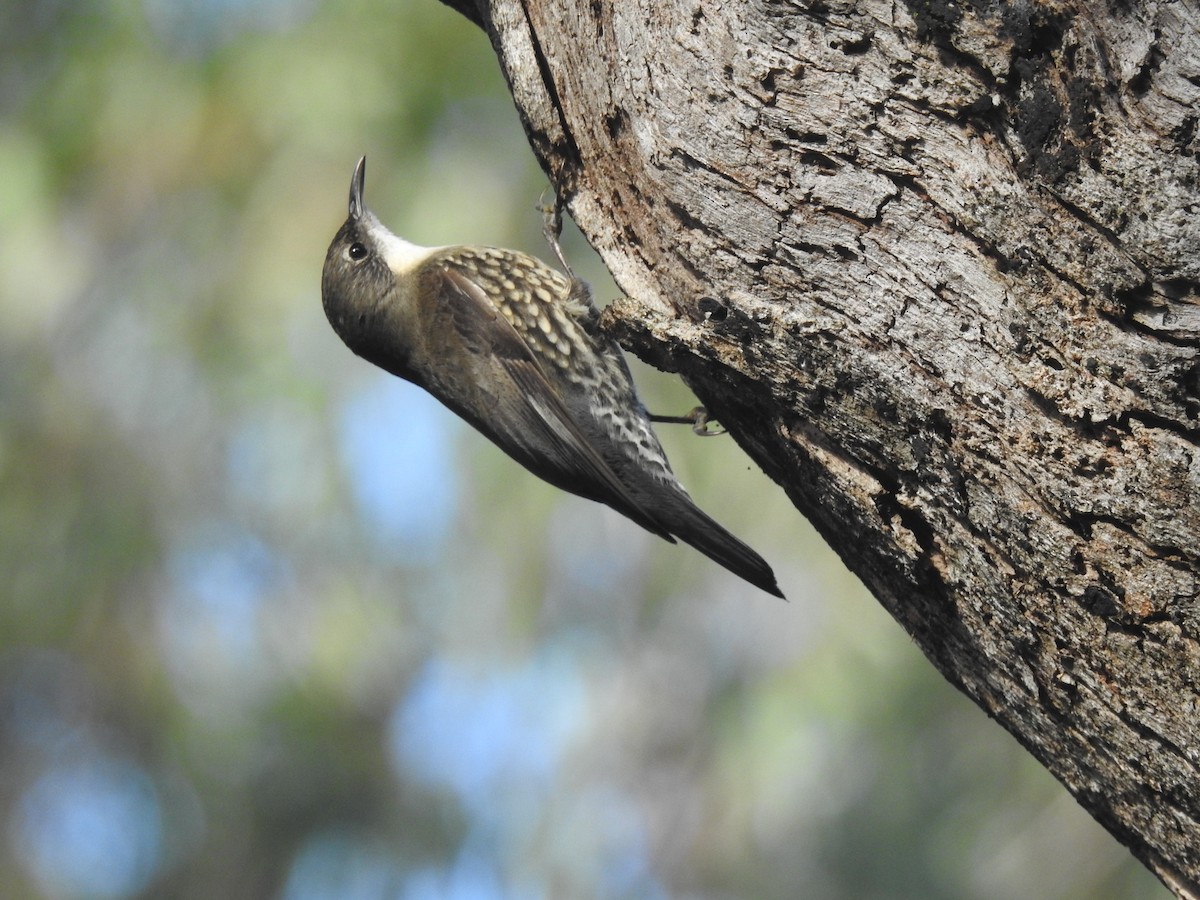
[(937, 269)]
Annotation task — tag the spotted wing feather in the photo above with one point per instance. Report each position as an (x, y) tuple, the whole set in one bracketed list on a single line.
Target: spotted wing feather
[(536, 428)]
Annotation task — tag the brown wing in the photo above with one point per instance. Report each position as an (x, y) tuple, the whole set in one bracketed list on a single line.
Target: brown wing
[(532, 423)]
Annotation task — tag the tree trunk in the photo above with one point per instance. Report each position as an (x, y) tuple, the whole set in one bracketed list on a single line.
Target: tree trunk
[(936, 266)]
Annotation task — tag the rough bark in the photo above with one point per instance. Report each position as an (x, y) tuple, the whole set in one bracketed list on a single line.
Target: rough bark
[(936, 266)]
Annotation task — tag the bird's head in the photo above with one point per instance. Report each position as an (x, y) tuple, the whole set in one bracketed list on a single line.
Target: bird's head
[(356, 277), (366, 270)]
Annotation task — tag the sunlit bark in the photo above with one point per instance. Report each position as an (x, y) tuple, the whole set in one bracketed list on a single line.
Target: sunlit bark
[(937, 271)]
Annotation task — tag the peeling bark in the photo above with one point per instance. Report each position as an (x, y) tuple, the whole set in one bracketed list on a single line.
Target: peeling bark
[(937, 268)]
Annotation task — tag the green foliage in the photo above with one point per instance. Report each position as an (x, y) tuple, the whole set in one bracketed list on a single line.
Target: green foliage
[(273, 624)]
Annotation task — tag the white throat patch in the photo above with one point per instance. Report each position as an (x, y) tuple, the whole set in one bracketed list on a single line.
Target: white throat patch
[(401, 256)]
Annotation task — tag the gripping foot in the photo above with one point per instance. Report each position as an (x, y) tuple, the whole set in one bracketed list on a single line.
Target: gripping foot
[(552, 229), (697, 418)]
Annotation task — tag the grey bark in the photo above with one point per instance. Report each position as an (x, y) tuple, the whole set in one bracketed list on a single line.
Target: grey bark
[(936, 266)]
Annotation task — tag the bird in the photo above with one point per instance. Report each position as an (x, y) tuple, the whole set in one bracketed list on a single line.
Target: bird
[(513, 346)]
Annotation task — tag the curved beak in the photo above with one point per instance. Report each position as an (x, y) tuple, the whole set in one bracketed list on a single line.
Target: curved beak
[(357, 208)]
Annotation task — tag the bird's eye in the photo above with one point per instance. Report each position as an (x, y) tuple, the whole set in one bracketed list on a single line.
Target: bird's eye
[(357, 251)]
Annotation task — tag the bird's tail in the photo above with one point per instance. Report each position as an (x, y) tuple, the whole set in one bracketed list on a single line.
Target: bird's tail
[(693, 526)]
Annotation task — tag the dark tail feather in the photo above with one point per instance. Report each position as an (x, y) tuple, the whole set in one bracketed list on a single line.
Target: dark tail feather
[(692, 526)]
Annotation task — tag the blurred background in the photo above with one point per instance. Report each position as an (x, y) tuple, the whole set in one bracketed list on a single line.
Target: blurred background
[(274, 624)]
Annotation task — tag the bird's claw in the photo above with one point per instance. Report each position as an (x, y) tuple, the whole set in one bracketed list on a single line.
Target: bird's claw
[(552, 227), (701, 423)]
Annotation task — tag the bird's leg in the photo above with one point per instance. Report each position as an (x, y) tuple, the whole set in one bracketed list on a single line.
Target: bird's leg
[(552, 229), (697, 418), (579, 298)]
